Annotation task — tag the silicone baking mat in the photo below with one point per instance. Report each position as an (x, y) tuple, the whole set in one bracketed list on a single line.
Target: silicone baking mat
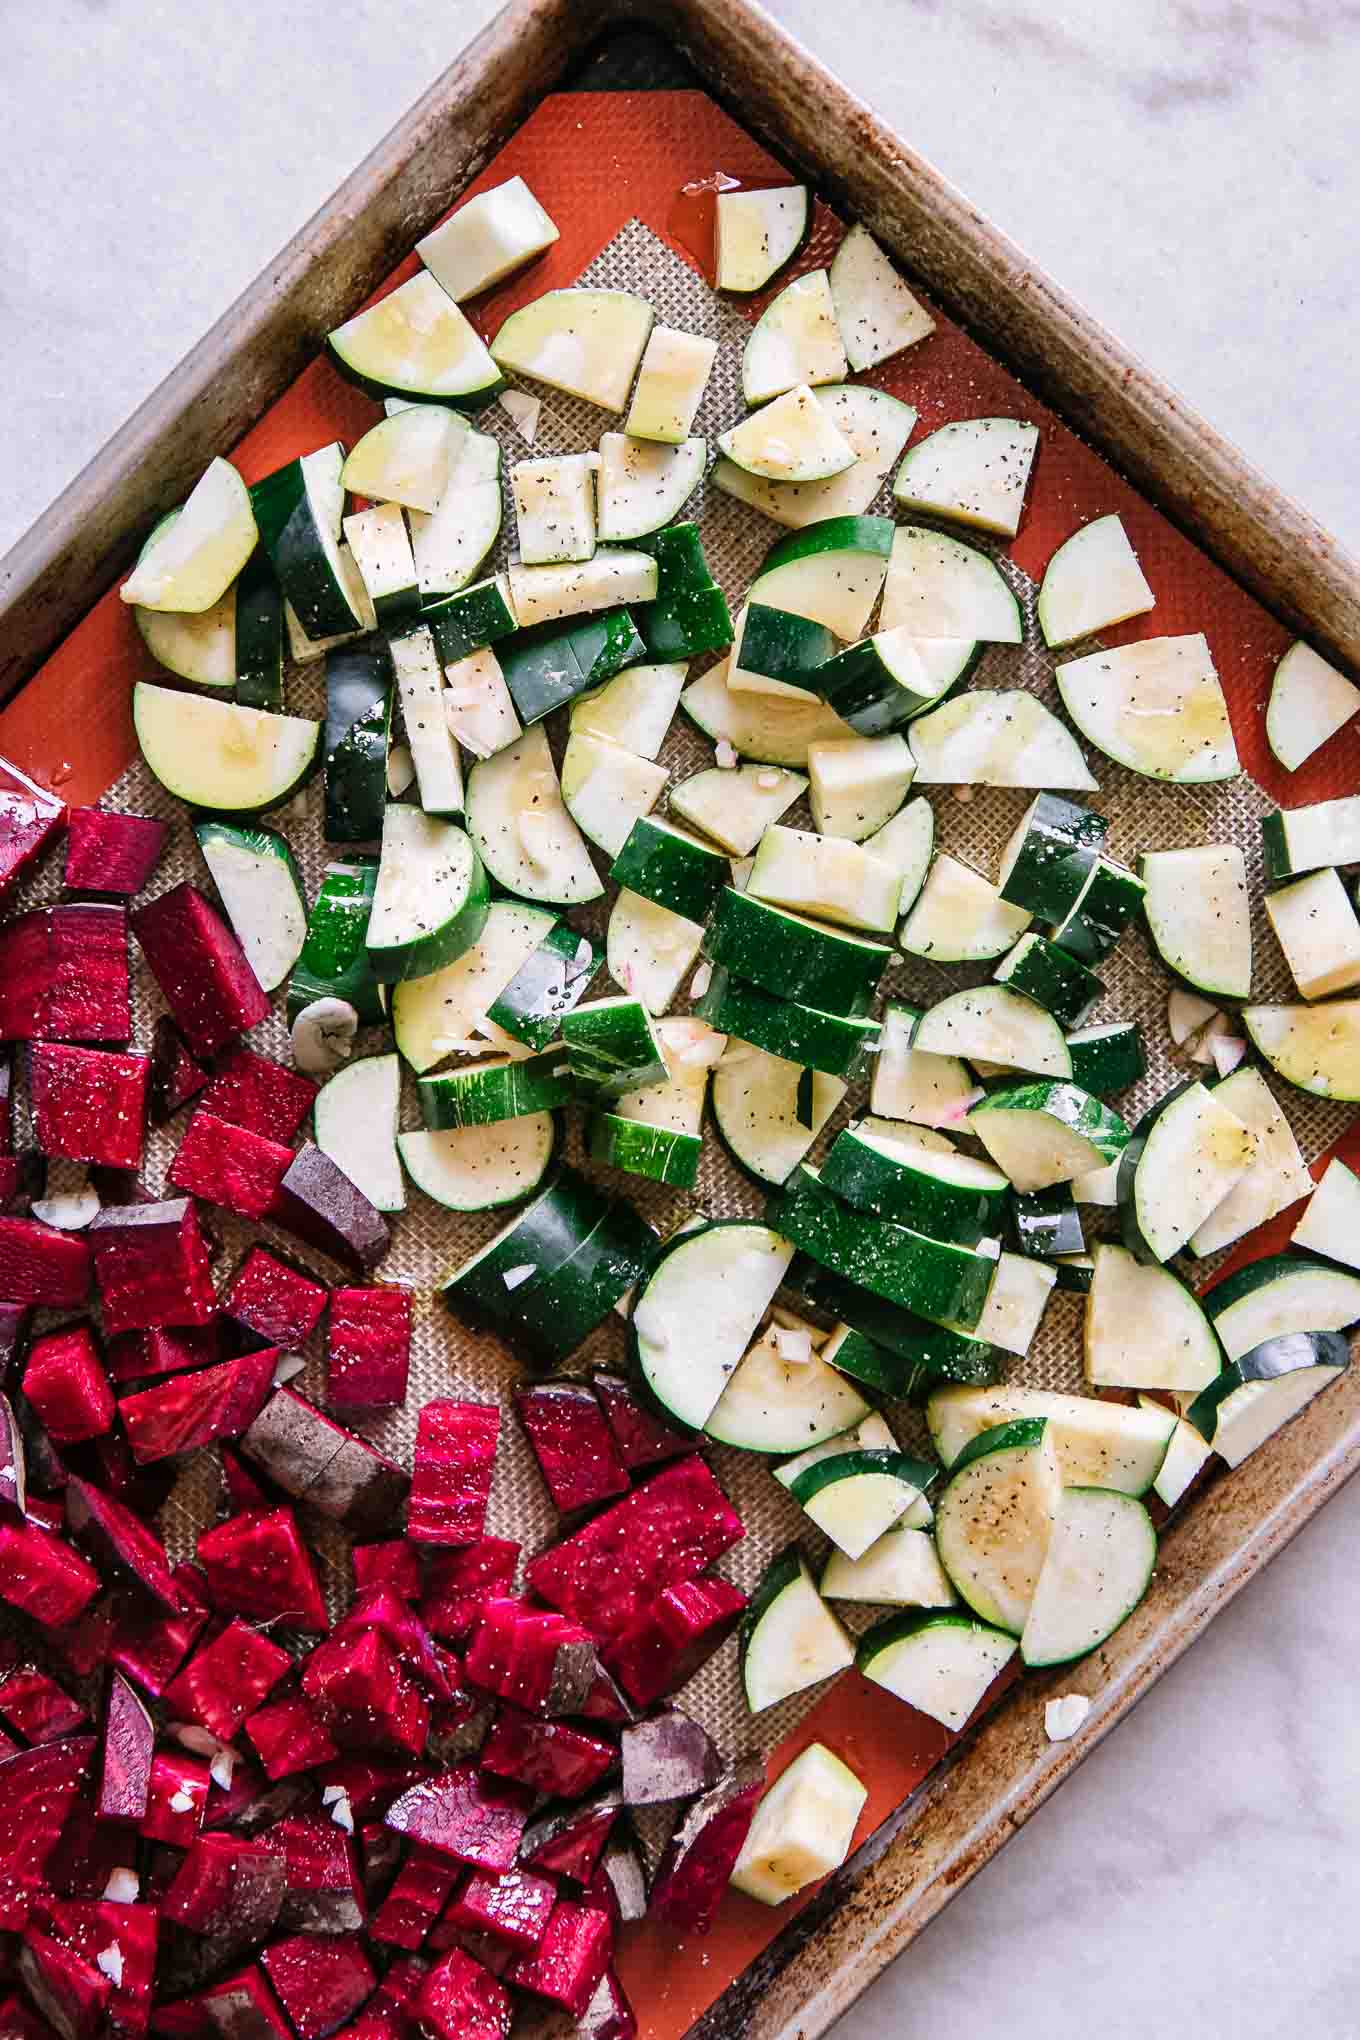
[(610, 168)]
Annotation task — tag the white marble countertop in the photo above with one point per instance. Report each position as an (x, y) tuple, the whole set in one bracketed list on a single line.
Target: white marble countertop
[(1187, 169)]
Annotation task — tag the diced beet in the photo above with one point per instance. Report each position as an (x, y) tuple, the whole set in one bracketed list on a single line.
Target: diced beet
[(36, 1708), (129, 1745), (152, 1265), (239, 2007), (64, 975), (66, 1386), (320, 1980), (13, 1463), (569, 1961), (38, 1788), (669, 1529), (23, 1180), (317, 1202), (667, 1756), (318, 1462), (109, 1465), (606, 1701), (608, 2016), (289, 1736), (13, 1332), (532, 1657), (371, 1782), (368, 1348), (460, 1580), (364, 1696), (572, 1443), (251, 1804), (423, 1887), (551, 1757), (90, 1929), (455, 1457), (229, 1165), (89, 1104), (514, 1906), (240, 1489), (380, 1856), (390, 1563), (672, 1638), (30, 815), (189, 1410), (699, 1861), (39, 1264), (71, 1993), (274, 1303), (459, 2000), (111, 853), (252, 1090), (569, 1841), (257, 1564), (121, 1540), (324, 1894), (150, 1644), (162, 1349), (19, 2021), (464, 1814), (200, 967), (176, 1074), (42, 1577), (177, 1793), (485, 1949), (226, 1882), (619, 1885), (379, 1608), (226, 1679)]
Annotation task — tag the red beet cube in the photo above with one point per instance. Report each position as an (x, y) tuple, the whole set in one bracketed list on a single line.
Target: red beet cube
[(257, 1564), (289, 1737), (176, 1075), (572, 1443), (71, 1992), (121, 1541), (229, 1165), (64, 975), (200, 967), (67, 1388), (43, 1577), (466, 1814), (569, 1961), (671, 1528), (318, 1203), (177, 1793), (240, 1489), (89, 1104), (459, 2000), (90, 1928), (226, 1680), (324, 1894), (391, 1563), (515, 1906), (552, 1757), (38, 1264), (364, 1696), (240, 2007), (228, 1882), (129, 1745), (672, 1638), (249, 1089), (379, 1608), (162, 1349), (30, 815), (368, 1348), (698, 1863), (451, 1482), (317, 1461), (423, 1887), (321, 1980), (152, 1265), (38, 1788), (188, 1410), (36, 1708), (151, 1645), (532, 1657), (459, 1582), (274, 1303), (108, 853), (370, 1782)]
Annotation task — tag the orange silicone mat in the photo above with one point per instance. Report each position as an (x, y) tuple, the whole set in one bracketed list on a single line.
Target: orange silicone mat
[(598, 161)]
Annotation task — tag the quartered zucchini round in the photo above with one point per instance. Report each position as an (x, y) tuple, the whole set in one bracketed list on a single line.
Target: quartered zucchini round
[(936, 1279), (874, 425), (473, 1169), (959, 918), (257, 877), (974, 471), (1156, 707), (1092, 582), (856, 1497), (775, 1405), (1280, 1295), (431, 899), (219, 755), (795, 340), (356, 1125), (192, 557), (769, 729), (756, 233), (789, 1638), (1098, 1443), (936, 1191), (994, 1520), (1144, 1328), (1099, 1566), (942, 1664), (416, 343), (520, 826), (758, 1105), (587, 343), (877, 314), (697, 1312)]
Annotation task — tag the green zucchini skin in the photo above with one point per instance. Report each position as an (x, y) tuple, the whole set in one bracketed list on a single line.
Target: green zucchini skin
[(334, 961), (661, 1153), (1052, 978), (549, 664), (359, 692), (259, 634), (468, 620), (612, 1047), (929, 1355), (689, 614), (289, 536), (1055, 857), (915, 1473), (781, 646), (551, 1316), (1110, 899), (823, 967), (835, 1043), (547, 1232), (671, 869), (935, 1280), (909, 1194), (1273, 1360), (861, 687), (487, 1093), (549, 984), (1107, 1063), (1046, 1224)]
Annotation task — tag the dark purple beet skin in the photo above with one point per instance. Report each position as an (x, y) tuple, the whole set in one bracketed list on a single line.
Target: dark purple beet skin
[(151, 1264), (317, 1203), (71, 1992), (38, 1264), (111, 853), (66, 1386), (323, 1891), (368, 1347), (667, 1757), (642, 1439), (89, 1104), (176, 1074), (533, 1657), (229, 1165), (249, 1089), (257, 1564), (272, 1302), (572, 1443), (30, 816), (189, 1410), (200, 967), (333, 1470), (455, 1457), (694, 1872), (64, 975)]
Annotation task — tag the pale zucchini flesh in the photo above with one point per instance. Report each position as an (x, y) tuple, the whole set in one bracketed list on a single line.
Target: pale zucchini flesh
[(1156, 707)]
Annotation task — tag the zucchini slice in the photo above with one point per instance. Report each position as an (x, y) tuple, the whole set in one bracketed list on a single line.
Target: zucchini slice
[(261, 888), (670, 387), (856, 1497), (356, 1125), (736, 807), (876, 313), (775, 1405), (334, 959), (756, 233), (305, 649), (1045, 1225), (789, 1638), (790, 439), (1156, 707), (986, 738), (671, 867), (1239, 1412), (606, 789), (906, 842), (431, 899), (299, 510), (477, 705), (1308, 838), (1052, 978), (757, 1101), (698, 1309), (1108, 1058), (1016, 1302), (406, 458), (835, 1043), (772, 730), (359, 686), (643, 484), (416, 343), (1185, 1154), (974, 471), (450, 543), (890, 1351), (1316, 927), (587, 343), (655, 1131), (939, 587), (830, 572), (192, 558), (553, 663), (660, 1153), (1315, 1048), (914, 1085), (1099, 1565), (1092, 582), (936, 1279), (994, 1520), (470, 618), (943, 1665), (886, 681), (834, 969), (803, 1827), (857, 785), (935, 1190), (827, 876), (219, 755), (870, 1434), (198, 646), (476, 1170), (875, 426), (1330, 1224), (521, 829), (1098, 1444), (795, 340), (1309, 702), (959, 917), (487, 1093), (439, 1014), (649, 949), (1186, 1456), (555, 977), (995, 1025), (380, 547), (777, 652), (1279, 1296), (554, 508), (1051, 855), (541, 1238), (439, 770), (259, 634), (1277, 1177), (612, 1047), (487, 239), (633, 709), (1143, 1328), (1199, 916), (1108, 901), (612, 577), (900, 1571)]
